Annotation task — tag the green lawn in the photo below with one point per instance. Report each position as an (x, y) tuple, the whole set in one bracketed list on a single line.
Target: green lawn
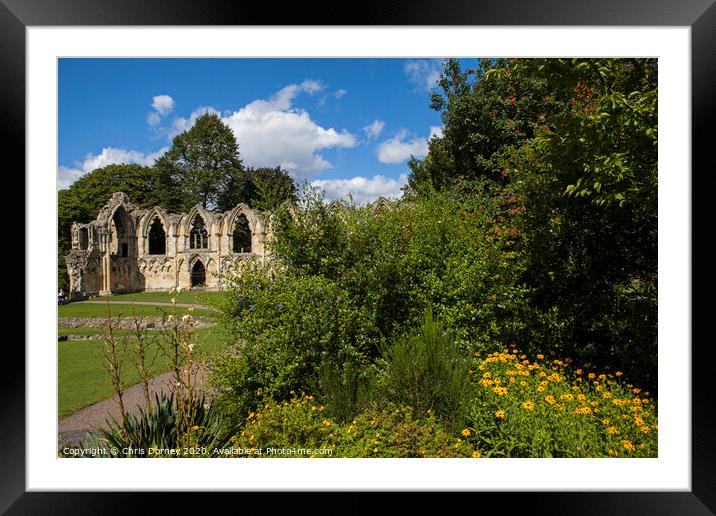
[(84, 331), (80, 309), (186, 296), (82, 379)]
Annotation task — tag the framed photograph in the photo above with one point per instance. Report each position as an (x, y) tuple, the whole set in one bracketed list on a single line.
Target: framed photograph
[(352, 117)]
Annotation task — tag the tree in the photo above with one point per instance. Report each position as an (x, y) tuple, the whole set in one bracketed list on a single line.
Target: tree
[(200, 164), (571, 147), (485, 111)]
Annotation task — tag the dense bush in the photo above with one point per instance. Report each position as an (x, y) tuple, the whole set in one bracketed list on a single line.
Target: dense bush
[(550, 409), (453, 251), (301, 424), (283, 327)]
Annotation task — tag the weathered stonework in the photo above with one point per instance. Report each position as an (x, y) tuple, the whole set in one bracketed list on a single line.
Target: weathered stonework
[(127, 249)]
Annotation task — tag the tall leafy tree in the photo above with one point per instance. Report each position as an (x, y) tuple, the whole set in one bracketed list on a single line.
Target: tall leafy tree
[(200, 164), (571, 145)]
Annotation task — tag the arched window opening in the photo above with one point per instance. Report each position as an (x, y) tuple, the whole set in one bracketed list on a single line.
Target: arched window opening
[(157, 237), (242, 235), (120, 233), (198, 274), (198, 235), (84, 238)]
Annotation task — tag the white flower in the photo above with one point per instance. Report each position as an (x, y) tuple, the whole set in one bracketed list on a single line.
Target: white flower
[(174, 300), (185, 317), (191, 347), (170, 318), (179, 290)]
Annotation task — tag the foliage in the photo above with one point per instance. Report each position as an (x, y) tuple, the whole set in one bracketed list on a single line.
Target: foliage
[(549, 408), (282, 326), (572, 143), (443, 251), (163, 428), (427, 372), (301, 424), (588, 188), (199, 163), (262, 188), (344, 389)]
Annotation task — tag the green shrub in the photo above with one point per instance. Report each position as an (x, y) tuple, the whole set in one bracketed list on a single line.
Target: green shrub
[(428, 372), (344, 389), (283, 327), (302, 425), (454, 252)]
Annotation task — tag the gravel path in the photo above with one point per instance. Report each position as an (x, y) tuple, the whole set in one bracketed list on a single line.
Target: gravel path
[(77, 426)]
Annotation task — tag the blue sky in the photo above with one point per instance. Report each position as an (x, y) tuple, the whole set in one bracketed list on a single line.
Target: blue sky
[(345, 125)]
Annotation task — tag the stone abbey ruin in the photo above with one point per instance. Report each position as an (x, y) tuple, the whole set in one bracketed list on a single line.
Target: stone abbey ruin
[(127, 249)]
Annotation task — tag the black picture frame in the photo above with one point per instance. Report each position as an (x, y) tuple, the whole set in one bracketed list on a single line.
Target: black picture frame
[(699, 15)]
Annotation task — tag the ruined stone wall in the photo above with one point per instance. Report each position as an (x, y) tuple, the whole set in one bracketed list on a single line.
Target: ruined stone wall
[(127, 249)]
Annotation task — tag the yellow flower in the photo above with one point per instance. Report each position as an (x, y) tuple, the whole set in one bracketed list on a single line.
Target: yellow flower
[(528, 405), (645, 429), (540, 356), (500, 414), (579, 371), (550, 399), (618, 373), (500, 391), (466, 432), (591, 376), (606, 395), (628, 445), (326, 423), (476, 454), (613, 430)]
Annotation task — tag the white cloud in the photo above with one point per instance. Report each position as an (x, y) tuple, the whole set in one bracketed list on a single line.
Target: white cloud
[(424, 73), (399, 149), (340, 93), (163, 104), (361, 188), (272, 132), (66, 176), (109, 156), (374, 129)]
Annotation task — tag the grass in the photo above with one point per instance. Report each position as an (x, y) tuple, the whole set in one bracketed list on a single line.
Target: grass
[(85, 331), (126, 310), (184, 297), (82, 379)]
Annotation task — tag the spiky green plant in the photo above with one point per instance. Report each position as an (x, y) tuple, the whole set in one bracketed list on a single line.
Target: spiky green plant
[(163, 427)]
